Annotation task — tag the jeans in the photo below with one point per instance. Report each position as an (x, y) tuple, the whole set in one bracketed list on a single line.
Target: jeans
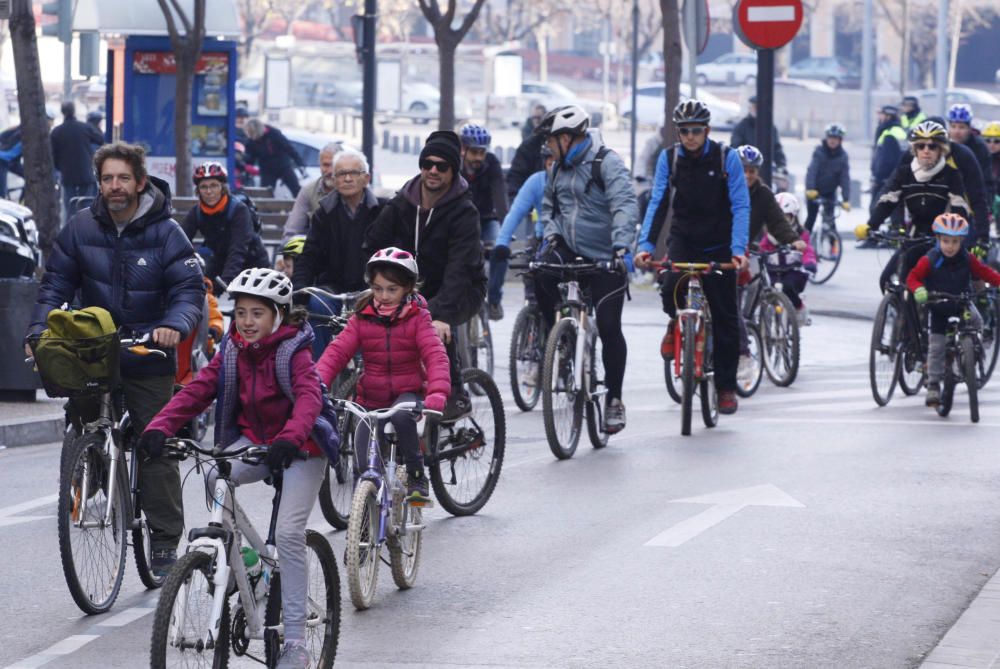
[(321, 326), (937, 345)]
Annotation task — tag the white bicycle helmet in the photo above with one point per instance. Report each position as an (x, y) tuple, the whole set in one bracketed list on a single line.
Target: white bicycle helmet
[(570, 118), (788, 203), (392, 256), (263, 282)]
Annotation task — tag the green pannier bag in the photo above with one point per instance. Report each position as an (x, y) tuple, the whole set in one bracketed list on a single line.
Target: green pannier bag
[(78, 353)]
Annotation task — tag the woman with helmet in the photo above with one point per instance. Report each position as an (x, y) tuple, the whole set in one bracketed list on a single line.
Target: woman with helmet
[(764, 209), (589, 211), (267, 349), (829, 168), (927, 187), (484, 175), (991, 137), (231, 244), (403, 357), (947, 268)]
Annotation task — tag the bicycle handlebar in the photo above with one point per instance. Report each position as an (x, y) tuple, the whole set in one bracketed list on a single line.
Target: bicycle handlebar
[(691, 267), (357, 410), (611, 266), (351, 296), (249, 453), (898, 238)]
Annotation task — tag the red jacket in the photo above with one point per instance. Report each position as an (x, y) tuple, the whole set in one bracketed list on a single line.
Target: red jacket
[(401, 354), (922, 270), (266, 414)]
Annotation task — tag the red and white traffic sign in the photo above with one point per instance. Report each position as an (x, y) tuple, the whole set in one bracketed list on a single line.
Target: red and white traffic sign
[(769, 24)]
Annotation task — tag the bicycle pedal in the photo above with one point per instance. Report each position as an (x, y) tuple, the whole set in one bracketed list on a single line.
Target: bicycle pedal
[(420, 504)]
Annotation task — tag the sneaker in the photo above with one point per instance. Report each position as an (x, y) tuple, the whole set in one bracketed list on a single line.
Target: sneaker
[(614, 416), (161, 561), (294, 655), (728, 402), (802, 316), (867, 244), (745, 371), (933, 395), (496, 312), (417, 490), (667, 343), (459, 405)]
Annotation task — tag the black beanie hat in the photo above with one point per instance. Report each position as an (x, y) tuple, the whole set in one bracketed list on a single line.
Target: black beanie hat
[(443, 144)]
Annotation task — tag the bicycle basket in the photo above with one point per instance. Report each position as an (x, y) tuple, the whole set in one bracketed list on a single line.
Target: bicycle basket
[(76, 367), (784, 260)]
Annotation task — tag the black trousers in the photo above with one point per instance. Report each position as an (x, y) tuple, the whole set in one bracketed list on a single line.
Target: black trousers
[(287, 175), (812, 208), (911, 256)]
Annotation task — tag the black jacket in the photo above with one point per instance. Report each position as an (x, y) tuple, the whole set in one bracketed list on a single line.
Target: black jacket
[(974, 183), (982, 153), (745, 132), (488, 190), (890, 145), (924, 200), (449, 253), (334, 252), (230, 235), (147, 276), (527, 160), (765, 212), (272, 152), (73, 146), (829, 169)]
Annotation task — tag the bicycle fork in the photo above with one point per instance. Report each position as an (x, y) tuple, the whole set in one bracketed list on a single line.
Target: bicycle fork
[(83, 492)]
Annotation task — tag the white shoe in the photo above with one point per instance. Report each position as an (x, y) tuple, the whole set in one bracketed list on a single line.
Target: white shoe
[(745, 371), (802, 315)]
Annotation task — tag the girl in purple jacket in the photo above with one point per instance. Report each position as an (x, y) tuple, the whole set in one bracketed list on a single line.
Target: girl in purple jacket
[(402, 354)]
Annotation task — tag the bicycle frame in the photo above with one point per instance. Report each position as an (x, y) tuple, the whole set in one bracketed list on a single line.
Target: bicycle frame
[(579, 311), (692, 271)]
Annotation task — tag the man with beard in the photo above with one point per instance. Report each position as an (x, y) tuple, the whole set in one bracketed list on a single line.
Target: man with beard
[(308, 198)]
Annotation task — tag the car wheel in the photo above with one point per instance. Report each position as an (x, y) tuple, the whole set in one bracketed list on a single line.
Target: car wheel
[(702, 80), (417, 108)]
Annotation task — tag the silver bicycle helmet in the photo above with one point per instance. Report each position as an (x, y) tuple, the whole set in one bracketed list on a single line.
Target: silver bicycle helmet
[(570, 118)]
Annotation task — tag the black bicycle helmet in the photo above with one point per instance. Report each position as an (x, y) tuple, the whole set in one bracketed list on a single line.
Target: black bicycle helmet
[(690, 112)]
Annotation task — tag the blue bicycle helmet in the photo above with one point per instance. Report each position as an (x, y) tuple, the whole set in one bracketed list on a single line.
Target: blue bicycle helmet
[(750, 155), (960, 113), (475, 136)]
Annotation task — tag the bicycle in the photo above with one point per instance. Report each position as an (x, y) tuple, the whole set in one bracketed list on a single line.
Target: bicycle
[(693, 350), (898, 343), (771, 313), (570, 384), (194, 623), (988, 304), (963, 353), (474, 341), (100, 501), (827, 242), (527, 346)]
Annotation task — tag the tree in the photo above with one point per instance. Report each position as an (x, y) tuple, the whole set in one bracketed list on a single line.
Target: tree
[(187, 51), (671, 63), (255, 15), (448, 39), (518, 18), (39, 171)]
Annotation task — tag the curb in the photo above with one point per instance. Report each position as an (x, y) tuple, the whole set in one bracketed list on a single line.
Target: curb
[(840, 313), (33, 432)]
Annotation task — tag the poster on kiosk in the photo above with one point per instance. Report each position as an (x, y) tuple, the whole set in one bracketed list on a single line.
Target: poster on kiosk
[(149, 80)]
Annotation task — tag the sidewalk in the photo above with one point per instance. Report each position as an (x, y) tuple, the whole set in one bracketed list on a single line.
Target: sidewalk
[(27, 423)]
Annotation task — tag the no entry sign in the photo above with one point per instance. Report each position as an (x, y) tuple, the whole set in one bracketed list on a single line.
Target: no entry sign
[(768, 24)]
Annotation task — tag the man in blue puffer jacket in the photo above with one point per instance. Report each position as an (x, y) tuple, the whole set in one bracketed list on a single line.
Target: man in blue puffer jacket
[(126, 254)]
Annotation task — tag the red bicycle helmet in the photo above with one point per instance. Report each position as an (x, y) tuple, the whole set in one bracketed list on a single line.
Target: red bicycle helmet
[(210, 170)]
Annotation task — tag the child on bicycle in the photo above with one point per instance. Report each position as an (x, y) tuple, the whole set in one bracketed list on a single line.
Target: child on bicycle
[(267, 339), (948, 268), (402, 356), (793, 281)]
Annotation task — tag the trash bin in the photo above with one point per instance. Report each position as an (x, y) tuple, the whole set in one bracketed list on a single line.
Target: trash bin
[(18, 381)]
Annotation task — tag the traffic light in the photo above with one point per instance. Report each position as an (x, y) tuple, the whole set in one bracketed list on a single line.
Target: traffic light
[(63, 27)]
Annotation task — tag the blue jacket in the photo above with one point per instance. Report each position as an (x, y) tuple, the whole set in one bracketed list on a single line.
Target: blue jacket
[(147, 276), (739, 198), (529, 198)]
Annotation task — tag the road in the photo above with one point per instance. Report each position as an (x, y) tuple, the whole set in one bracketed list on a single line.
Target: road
[(811, 529)]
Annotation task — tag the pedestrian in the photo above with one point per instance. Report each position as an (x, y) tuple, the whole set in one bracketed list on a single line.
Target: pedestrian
[(534, 119), (433, 217), (126, 254), (829, 169), (312, 192), (73, 146), (11, 152), (910, 113), (745, 132), (95, 118), (268, 148)]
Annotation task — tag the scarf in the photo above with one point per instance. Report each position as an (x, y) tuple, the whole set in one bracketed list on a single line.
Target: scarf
[(219, 206), (924, 175)]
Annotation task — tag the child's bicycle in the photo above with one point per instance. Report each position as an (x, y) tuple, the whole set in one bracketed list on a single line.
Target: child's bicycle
[(381, 516), (194, 623), (826, 240), (963, 353), (100, 502), (769, 311), (692, 361)]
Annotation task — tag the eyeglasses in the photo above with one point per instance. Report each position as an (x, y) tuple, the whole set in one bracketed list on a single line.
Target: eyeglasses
[(926, 146), (442, 167), (343, 174), (696, 130)]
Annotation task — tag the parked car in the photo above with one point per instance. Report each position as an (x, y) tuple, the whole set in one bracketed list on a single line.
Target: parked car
[(552, 95), (649, 101), (19, 252), (249, 94), (970, 96), (731, 68), (833, 71), (308, 145)]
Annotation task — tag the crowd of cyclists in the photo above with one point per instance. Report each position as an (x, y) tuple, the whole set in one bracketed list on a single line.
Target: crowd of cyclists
[(421, 259)]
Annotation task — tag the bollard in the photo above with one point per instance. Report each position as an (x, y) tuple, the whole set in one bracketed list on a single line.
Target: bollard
[(385, 139), (417, 145), (395, 144), (406, 143)]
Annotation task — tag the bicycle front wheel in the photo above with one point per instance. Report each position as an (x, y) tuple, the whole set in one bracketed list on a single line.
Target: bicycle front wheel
[(595, 400), (527, 349), (947, 387), (338, 483), (93, 524), (466, 461), (829, 248), (323, 601), (779, 332), (883, 358), (182, 625), (404, 547), (968, 350), (689, 333), (562, 401), (363, 546), (746, 387), (143, 553)]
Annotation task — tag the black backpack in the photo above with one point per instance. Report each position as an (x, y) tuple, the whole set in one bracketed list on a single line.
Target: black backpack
[(596, 177), (248, 201)]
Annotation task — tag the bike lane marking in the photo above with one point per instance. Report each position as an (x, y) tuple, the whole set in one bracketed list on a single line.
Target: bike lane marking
[(8, 513)]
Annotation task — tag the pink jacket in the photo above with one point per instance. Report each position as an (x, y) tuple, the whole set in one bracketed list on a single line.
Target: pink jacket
[(808, 256), (266, 414), (402, 354)]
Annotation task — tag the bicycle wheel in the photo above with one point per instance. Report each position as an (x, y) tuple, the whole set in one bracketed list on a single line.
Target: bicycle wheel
[(465, 465), (143, 552), (92, 527), (968, 352), (404, 549), (829, 248), (184, 617), (272, 620), (883, 359), (527, 349), (947, 387), (673, 380), (595, 401), (687, 373), (338, 482), (779, 333), (323, 612), (363, 545), (562, 401), (989, 340), (911, 366), (749, 387)]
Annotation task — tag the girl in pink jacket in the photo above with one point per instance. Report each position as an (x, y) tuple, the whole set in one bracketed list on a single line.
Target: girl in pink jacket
[(403, 357), (793, 281)]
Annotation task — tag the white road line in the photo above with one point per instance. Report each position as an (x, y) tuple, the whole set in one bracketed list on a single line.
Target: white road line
[(18, 520), (127, 616), (928, 422), (27, 506)]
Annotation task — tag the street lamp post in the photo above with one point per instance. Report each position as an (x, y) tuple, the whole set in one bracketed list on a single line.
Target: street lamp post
[(369, 73), (635, 78)]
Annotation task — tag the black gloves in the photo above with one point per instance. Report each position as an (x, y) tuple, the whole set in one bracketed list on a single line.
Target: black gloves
[(501, 253), (280, 455), (151, 443)]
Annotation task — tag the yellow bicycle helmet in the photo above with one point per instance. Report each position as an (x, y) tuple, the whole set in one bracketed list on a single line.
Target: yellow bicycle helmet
[(294, 246), (992, 130)]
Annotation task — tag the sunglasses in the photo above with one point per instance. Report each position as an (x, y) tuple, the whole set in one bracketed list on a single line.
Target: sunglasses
[(428, 165), (697, 130), (925, 146), (992, 140)]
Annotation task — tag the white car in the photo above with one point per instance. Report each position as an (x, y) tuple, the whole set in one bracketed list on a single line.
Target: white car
[(969, 96), (307, 145), (552, 95), (249, 92), (650, 97), (732, 68)]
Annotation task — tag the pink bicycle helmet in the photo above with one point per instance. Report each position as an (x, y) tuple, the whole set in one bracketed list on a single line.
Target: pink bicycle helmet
[(392, 256)]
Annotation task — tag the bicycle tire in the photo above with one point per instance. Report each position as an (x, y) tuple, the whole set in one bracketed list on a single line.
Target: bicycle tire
[(968, 353), (947, 388), (780, 338), (465, 472), (756, 353), (362, 531), (526, 353), (338, 482), (828, 256), (142, 552), (990, 341), (709, 402), (673, 379), (87, 453), (272, 618), (594, 409), (404, 550), (323, 647), (560, 351), (883, 358), (182, 574), (687, 374)]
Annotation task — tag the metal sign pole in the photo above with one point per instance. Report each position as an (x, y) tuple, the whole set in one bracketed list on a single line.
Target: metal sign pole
[(368, 96), (765, 110), (635, 79)]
